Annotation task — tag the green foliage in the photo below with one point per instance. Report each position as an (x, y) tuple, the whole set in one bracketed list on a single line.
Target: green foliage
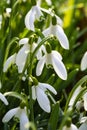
[(12, 29)]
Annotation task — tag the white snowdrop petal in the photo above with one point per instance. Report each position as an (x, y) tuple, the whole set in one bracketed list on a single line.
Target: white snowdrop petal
[(43, 100), (62, 37), (59, 20), (18, 113), (31, 16), (20, 68), (85, 101), (75, 94), (47, 31), (49, 2), (38, 2), (39, 52), (83, 119), (29, 20), (57, 31), (57, 54), (49, 87), (84, 62), (83, 126), (23, 41), (21, 57), (33, 93), (9, 62), (10, 114), (3, 99), (38, 12), (45, 10), (23, 120), (72, 127), (33, 46), (40, 66), (59, 67)]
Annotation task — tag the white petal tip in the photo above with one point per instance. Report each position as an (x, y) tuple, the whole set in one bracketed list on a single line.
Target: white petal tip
[(84, 62), (3, 99)]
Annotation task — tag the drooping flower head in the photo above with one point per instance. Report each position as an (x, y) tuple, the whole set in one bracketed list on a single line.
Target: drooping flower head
[(23, 53), (33, 14), (55, 59), (20, 58), (9, 62), (56, 30), (39, 93), (20, 114)]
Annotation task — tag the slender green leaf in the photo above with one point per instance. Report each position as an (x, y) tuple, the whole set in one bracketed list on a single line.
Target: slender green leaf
[(52, 124)]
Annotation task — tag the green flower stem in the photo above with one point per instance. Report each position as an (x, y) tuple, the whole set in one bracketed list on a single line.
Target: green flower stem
[(36, 49), (29, 64), (53, 100), (30, 73), (66, 116), (30, 91), (30, 56), (31, 103), (9, 46), (81, 81)]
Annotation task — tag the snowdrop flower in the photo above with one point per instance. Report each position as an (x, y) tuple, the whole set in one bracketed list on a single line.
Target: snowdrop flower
[(31, 16), (72, 127), (84, 123), (84, 62), (9, 62), (23, 53), (75, 94), (20, 58), (57, 31), (3, 99), (55, 59), (84, 101), (39, 92), (80, 103), (20, 114)]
